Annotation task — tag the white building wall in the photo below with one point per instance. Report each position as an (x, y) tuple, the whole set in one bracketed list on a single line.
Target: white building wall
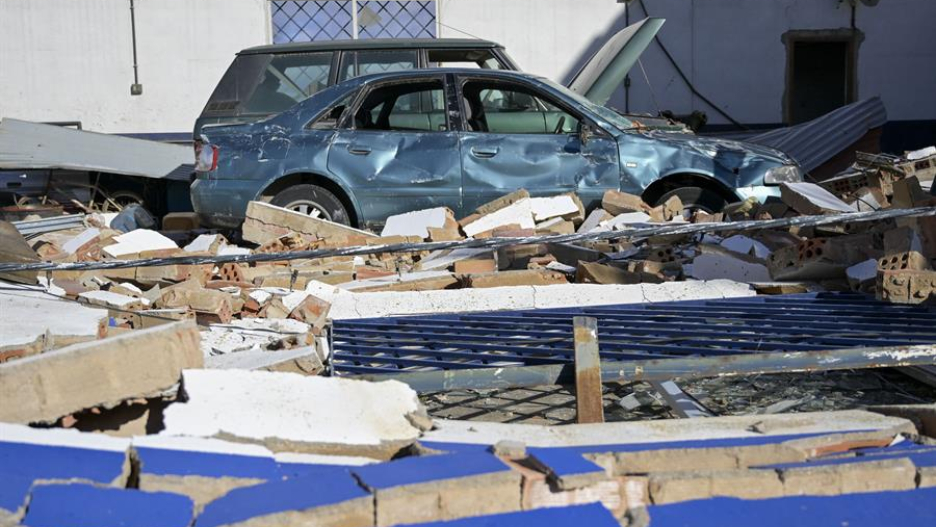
[(72, 60), (731, 50)]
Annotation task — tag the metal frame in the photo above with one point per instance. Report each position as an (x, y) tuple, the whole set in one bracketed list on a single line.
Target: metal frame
[(657, 341)]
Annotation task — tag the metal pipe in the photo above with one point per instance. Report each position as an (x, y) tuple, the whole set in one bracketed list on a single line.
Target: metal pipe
[(136, 89), (666, 369)]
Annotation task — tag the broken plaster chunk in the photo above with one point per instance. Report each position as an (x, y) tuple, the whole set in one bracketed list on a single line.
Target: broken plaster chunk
[(744, 245), (625, 220), (418, 223), (73, 245), (519, 213), (205, 243), (138, 241), (113, 300), (553, 207), (811, 199), (291, 412), (710, 266)]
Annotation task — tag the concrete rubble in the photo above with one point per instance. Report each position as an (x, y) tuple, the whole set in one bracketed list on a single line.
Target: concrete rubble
[(205, 392)]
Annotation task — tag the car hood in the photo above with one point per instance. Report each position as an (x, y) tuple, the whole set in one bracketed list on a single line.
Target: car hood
[(605, 71), (724, 149)]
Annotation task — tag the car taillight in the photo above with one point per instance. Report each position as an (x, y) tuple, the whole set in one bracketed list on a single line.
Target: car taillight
[(206, 157)]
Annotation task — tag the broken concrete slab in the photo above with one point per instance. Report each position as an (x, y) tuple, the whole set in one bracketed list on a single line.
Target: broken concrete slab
[(811, 199), (346, 305), (755, 427), (138, 241), (304, 360), (715, 264), (745, 245), (113, 300), (265, 222), (42, 388), (440, 487), (206, 243), (519, 213), (565, 206), (291, 412), (43, 322), (418, 223), (202, 469), (336, 501)]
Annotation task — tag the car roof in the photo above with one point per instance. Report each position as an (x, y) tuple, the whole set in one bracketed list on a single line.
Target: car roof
[(431, 72), (372, 44)]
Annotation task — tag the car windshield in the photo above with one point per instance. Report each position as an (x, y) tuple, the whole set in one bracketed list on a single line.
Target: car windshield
[(615, 119)]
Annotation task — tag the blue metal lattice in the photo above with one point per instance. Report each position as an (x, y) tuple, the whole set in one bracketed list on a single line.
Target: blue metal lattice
[(301, 21), (762, 324)]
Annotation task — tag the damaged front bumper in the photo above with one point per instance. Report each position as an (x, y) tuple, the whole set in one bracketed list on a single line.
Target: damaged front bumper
[(222, 203)]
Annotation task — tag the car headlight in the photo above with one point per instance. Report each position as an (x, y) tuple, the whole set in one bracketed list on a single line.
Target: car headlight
[(783, 174)]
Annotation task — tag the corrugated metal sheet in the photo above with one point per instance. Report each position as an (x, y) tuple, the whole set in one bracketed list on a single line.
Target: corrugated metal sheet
[(28, 145), (815, 142)]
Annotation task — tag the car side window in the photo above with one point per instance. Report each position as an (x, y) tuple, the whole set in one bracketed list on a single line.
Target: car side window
[(404, 107), (464, 58), (330, 119), (505, 108), (288, 79), (357, 63)]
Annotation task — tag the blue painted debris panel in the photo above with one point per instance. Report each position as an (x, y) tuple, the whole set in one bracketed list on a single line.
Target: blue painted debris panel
[(912, 508), (291, 470), (592, 515), (564, 462), (173, 462), (79, 505), (21, 463), (294, 494), (425, 469)]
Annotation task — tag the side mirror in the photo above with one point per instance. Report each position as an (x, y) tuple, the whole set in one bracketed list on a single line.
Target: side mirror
[(585, 133)]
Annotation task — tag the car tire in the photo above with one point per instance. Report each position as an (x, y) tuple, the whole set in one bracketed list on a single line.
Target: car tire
[(309, 198), (696, 198)]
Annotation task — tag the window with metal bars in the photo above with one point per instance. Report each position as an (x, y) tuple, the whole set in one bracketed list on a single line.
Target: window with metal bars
[(302, 21)]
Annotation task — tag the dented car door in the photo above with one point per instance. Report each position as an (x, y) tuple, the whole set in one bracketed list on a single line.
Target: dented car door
[(398, 151), (517, 136)]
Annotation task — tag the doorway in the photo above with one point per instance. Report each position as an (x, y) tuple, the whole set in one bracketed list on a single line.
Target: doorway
[(820, 74)]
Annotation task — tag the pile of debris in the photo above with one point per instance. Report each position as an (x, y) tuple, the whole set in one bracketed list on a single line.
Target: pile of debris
[(214, 355)]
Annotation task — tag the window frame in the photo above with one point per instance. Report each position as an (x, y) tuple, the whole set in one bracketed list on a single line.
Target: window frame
[(538, 93), (347, 120), (419, 64)]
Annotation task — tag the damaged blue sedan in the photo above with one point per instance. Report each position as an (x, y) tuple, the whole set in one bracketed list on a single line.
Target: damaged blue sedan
[(385, 144)]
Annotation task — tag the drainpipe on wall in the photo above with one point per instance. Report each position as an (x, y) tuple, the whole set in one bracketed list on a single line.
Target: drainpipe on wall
[(136, 88)]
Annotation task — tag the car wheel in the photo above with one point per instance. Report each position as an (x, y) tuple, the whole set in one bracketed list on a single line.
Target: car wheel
[(314, 201), (696, 198)]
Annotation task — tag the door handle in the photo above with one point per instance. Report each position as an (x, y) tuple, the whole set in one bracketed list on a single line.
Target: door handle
[(359, 150), (483, 153)]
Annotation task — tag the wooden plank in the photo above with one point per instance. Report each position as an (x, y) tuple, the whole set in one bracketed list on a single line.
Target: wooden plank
[(588, 401)]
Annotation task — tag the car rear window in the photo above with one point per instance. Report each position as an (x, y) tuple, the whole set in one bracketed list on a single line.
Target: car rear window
[(265, 84), (357, 63)]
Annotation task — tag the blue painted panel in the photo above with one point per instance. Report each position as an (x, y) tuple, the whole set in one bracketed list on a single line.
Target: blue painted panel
[(563, 462), (160, 461), (79, 505), (291, 470), (592, 515), (914, 508), (21, 463), (295, 494), (423, 469)]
